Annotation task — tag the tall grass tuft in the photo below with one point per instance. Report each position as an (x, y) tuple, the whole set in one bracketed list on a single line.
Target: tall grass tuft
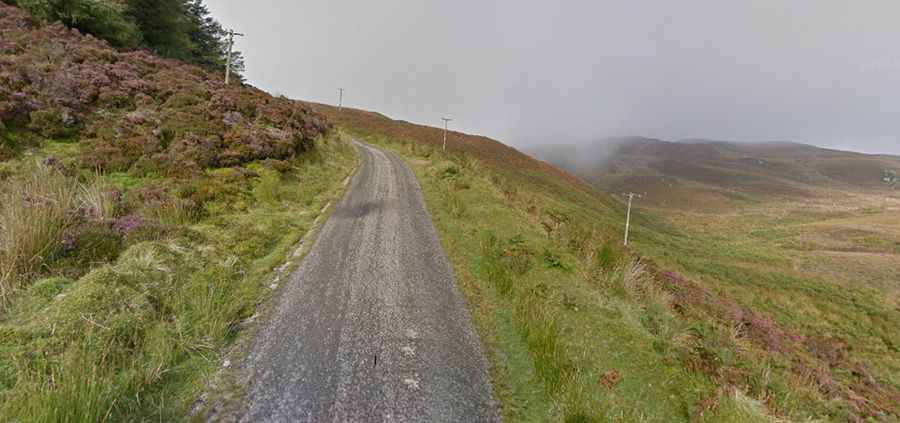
[(35, 211), (541, 334), (98, 200), (492, 266), (266, 188)]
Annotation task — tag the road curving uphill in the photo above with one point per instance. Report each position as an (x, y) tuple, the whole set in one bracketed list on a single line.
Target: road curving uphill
[(371, 326)]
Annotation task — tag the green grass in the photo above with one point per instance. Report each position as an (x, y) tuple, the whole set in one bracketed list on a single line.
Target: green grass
[(760, 271), (138, 339), (35, 211), (562, 309), (539, 297)]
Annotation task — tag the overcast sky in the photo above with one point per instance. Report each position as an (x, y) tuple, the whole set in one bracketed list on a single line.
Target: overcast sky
[(823, 72)]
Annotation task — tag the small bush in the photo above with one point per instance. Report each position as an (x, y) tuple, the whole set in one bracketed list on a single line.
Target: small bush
[(507, 187), (458, 207), (87, 246), (8, 146), (174, 207), (53, 122)]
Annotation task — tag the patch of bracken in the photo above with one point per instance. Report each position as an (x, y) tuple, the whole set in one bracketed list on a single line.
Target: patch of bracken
[(137, 112)]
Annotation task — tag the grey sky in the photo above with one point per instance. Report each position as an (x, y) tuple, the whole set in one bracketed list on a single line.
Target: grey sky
[(824, 72)]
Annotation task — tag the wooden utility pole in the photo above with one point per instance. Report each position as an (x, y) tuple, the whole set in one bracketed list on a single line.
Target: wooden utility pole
[(446, 121), (631, 196), (231, 35)]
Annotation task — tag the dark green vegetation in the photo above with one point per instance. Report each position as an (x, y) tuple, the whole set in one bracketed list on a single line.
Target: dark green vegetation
[(689, 325), (175, 29), (143, 208)]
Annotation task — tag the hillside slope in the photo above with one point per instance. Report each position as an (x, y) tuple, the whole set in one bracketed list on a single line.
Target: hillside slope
[(499, 156), (688, 326), (145, 210), (674, 172)]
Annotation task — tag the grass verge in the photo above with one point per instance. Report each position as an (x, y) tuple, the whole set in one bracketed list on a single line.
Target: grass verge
[(137, 336)]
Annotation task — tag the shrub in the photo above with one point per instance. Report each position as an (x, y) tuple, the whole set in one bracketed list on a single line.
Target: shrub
[(135, 112), (449, 172), (86, 246), (7, 147), (53, 122)]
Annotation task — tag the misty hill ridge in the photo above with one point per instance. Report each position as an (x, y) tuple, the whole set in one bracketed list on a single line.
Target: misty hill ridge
[(669, 168)]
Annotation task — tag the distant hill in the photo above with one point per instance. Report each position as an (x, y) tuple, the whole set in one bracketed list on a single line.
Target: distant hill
[(678, 173)]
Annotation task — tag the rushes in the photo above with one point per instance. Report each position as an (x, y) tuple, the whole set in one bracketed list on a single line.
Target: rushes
[(98, 200), (35, 211)]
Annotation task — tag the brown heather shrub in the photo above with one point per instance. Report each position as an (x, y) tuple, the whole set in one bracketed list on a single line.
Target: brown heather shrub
[(136, 112)]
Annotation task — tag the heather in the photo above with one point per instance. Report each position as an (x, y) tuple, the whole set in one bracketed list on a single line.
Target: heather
[(176, 29), (150, 280), (134, 111), (144, 208)]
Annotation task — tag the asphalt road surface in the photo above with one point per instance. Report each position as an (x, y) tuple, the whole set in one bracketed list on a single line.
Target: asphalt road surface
[(371, 326)]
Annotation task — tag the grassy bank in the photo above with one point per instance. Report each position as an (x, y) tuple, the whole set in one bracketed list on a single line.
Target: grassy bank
[(576, 328), (143, 206), (833, 298), (122, 311), (691, 325)]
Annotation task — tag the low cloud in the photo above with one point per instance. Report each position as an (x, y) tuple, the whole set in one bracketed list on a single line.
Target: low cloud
[(823, 72)]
